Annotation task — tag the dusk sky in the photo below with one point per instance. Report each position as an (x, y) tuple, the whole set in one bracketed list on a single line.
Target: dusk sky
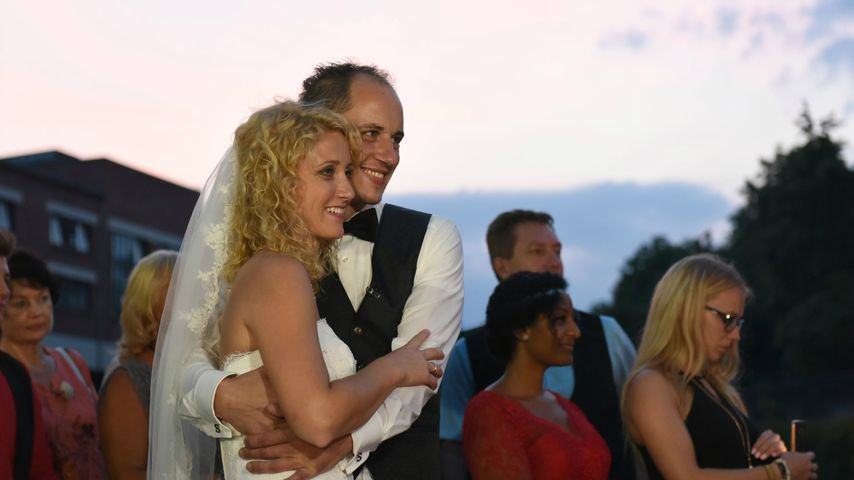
[(499, 96)]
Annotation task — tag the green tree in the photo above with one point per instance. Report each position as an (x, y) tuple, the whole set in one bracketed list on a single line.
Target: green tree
[(794, 242), (638, 278)]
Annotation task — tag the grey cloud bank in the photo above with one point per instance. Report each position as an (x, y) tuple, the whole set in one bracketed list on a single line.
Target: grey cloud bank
[(600, 227)]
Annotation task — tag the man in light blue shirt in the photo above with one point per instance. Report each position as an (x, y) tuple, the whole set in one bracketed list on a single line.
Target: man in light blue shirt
[(523, 240)]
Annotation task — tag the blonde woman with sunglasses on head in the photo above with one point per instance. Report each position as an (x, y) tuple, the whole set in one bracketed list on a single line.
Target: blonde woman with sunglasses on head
[(680, 407)]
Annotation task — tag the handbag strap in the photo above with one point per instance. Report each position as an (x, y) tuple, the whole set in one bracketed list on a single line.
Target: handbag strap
[(74, 368)]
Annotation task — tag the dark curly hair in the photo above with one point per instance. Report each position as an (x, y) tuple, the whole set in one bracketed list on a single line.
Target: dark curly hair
[(517, 303), (31, 270), (330, 84)]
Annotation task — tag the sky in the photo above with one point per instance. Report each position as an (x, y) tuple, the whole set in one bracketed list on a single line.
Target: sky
[(600, 226), (499, 95), (567, 99)]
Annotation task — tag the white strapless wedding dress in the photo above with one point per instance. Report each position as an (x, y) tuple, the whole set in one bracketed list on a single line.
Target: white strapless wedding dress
[(339, 363)]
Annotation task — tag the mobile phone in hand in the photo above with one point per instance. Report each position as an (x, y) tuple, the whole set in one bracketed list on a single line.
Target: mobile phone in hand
[(799, 436)]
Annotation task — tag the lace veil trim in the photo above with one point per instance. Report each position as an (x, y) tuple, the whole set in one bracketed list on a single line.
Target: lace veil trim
[(189, 331)]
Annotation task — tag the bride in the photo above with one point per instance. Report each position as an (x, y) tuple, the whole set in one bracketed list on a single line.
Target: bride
[(260, 239)]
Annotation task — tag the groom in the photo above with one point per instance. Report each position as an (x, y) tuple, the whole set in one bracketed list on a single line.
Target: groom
[(398, 271)]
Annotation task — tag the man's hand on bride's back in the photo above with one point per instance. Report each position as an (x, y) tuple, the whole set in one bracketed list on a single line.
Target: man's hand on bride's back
[(417, 365), (280, 450), (242, 401)]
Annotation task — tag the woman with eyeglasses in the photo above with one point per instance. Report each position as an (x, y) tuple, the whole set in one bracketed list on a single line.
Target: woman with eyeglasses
[(680, 407)]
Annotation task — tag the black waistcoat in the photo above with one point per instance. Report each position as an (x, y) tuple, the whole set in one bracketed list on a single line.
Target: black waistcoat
[(594, 391), (413, 454), (596, 394)]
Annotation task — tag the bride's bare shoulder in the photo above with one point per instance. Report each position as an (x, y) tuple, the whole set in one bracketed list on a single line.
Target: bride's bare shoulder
[(269, 268)]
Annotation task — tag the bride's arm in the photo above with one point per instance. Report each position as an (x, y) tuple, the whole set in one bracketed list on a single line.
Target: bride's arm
[(272, 295)]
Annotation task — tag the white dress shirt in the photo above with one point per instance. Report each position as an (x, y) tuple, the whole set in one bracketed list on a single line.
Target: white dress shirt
[(436, 303)]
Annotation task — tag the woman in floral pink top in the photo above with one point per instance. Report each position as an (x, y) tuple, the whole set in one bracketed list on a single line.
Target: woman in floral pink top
[(60, 376)]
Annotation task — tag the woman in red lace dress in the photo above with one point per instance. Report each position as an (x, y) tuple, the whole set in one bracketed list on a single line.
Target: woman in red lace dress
[(516, 429)]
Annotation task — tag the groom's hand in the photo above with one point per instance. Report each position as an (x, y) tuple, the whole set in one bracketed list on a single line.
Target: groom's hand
[(242, 401), (281, 450)]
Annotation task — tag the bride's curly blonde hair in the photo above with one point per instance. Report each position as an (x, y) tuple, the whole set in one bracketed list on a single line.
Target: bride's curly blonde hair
[(265, 214)]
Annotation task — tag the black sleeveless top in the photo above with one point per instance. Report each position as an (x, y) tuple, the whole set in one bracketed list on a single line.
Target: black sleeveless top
[(717, 430)]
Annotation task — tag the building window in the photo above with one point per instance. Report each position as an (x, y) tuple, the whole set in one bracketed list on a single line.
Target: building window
[(129, 242), (71, 234), (7, 219), (76, 285), (126, 251), (74, 296)]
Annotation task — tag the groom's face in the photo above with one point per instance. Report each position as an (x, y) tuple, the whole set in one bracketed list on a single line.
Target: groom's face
[(376, 112)]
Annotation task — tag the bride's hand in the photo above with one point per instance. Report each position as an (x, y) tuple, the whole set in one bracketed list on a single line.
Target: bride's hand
[(417, 365)]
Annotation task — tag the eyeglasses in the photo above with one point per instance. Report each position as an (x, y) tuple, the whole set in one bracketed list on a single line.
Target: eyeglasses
[(731, 322)]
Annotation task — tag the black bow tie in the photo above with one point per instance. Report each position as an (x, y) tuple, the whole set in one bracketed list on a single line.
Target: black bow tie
[(363, 225)]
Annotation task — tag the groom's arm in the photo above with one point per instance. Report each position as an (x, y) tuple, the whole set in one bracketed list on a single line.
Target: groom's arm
[(281, 450), (198, 386), (436, 303), (211, 397)]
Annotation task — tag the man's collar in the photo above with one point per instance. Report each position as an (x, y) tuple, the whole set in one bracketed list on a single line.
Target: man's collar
[(377, 206)]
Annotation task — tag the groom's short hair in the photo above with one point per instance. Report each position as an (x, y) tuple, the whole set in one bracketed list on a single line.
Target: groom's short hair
[(330, 84)]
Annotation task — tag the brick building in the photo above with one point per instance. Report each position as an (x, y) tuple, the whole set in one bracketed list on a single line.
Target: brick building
[(91, 221)]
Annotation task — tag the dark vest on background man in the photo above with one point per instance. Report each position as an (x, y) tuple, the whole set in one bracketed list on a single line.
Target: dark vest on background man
[(368, 331), (594, 391)]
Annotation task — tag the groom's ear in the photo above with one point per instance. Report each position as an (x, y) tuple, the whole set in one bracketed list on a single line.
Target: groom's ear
[(501, 268)]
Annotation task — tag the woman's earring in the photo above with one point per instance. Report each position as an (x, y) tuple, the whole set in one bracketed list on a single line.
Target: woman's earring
[(524, 337)]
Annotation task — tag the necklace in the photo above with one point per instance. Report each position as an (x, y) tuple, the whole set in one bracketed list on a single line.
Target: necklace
[(740, 423)]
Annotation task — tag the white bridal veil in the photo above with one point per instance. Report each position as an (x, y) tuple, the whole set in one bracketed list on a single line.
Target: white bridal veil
[(197, 294)]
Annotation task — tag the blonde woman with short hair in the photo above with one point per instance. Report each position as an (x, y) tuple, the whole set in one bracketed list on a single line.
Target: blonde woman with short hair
[(680, 406), (125, 392)]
